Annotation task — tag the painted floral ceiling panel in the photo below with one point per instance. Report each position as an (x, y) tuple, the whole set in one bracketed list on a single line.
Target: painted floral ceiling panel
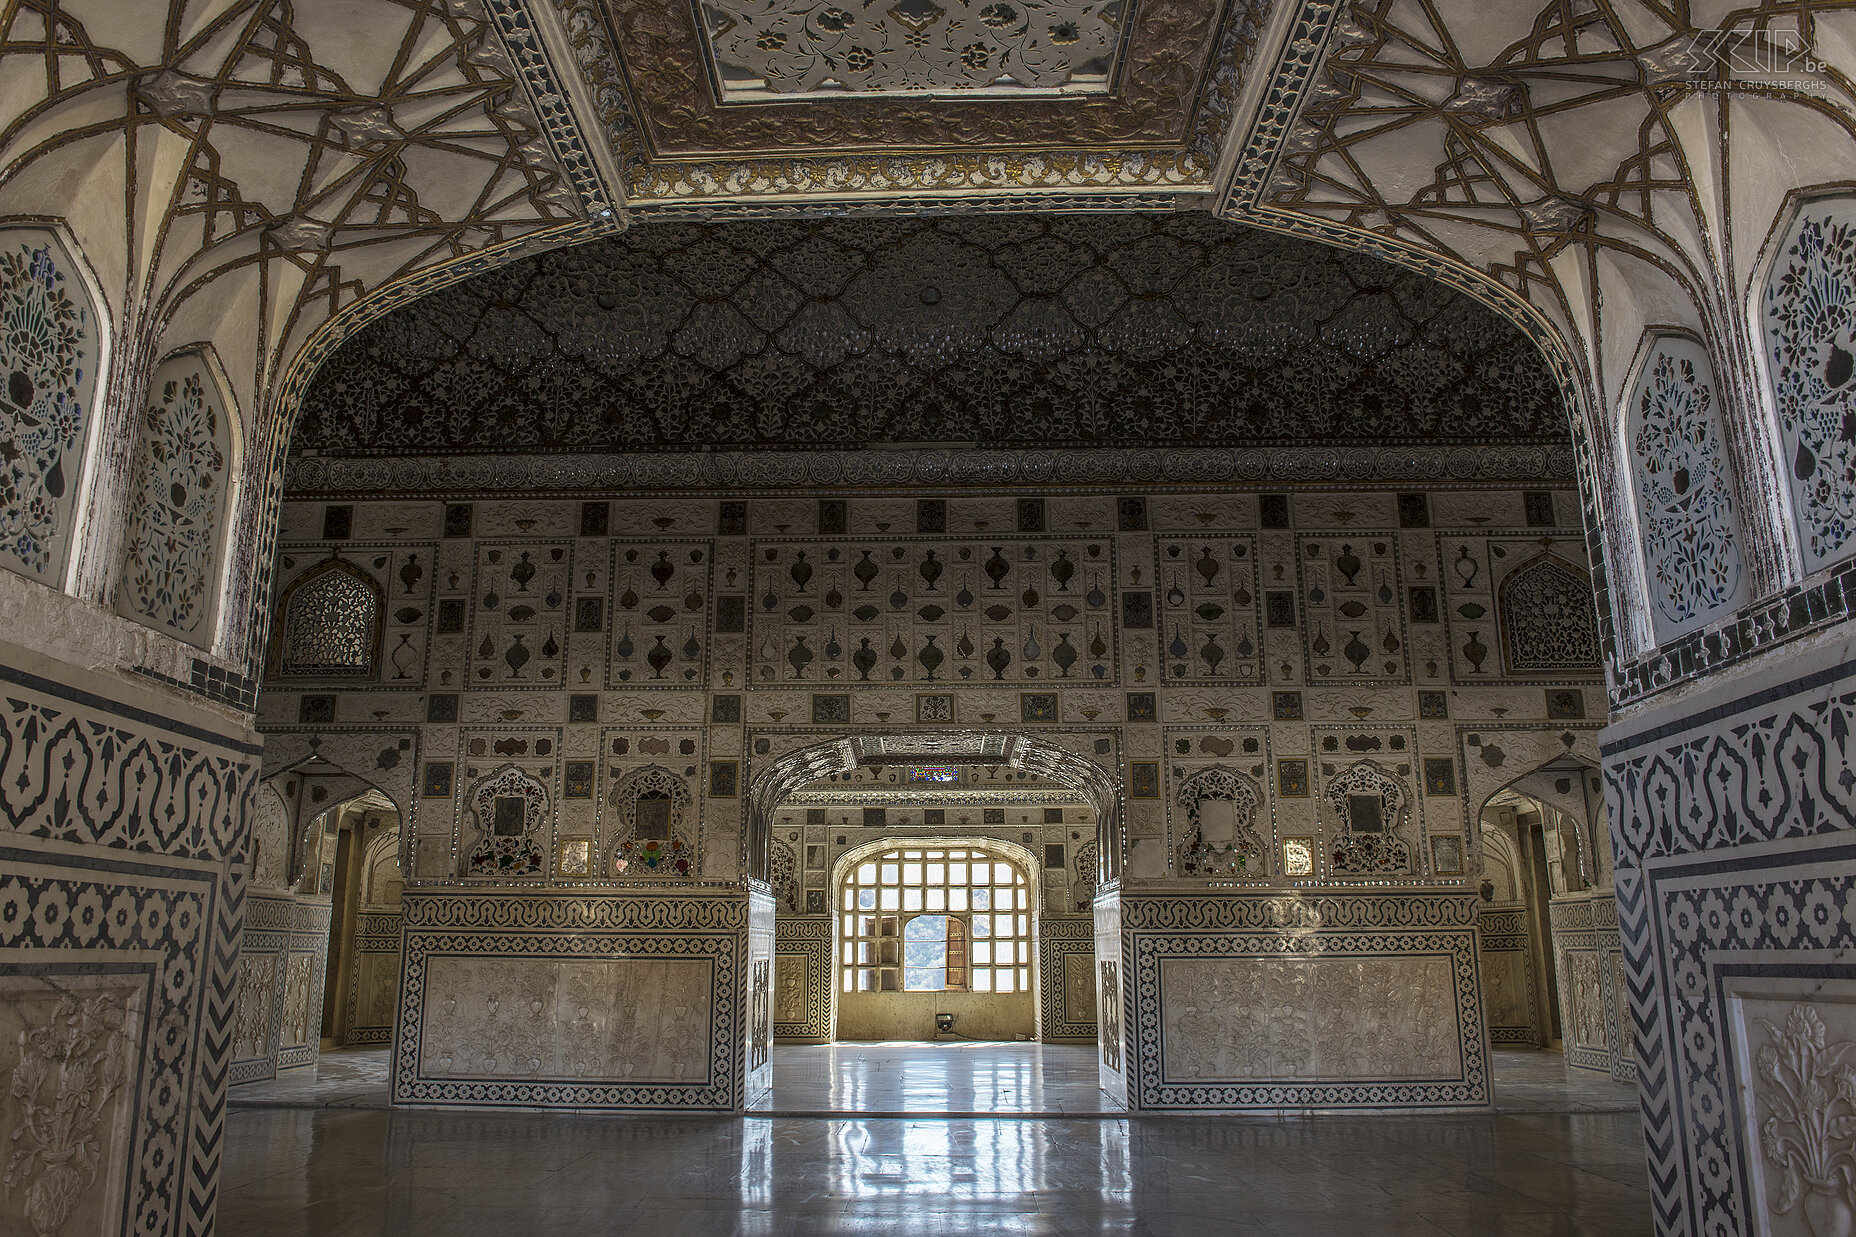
[(768, 49), (1006, 330)]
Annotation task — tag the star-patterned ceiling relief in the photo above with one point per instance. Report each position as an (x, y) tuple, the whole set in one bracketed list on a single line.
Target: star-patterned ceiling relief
[(999, 330)]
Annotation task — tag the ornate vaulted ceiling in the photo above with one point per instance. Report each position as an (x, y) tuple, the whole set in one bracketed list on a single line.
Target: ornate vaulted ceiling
[(1016, 329)]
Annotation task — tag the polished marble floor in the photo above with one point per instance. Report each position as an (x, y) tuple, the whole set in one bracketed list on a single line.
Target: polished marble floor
[(323, 1156), (948, 1079)]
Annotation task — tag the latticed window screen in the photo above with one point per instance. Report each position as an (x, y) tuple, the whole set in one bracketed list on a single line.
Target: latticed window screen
[(935, 919), (329, 626)]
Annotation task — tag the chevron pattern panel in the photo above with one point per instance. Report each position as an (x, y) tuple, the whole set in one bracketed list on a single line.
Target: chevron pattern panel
[(1734, 828)]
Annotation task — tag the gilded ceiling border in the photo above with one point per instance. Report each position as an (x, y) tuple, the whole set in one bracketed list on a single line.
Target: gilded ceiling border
[(727, 472), (1189, 167)]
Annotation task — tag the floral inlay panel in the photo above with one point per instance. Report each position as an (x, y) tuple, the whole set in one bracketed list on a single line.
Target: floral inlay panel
[(1221, 837), (48, 364), (774, 48), (177, 505), (1810, 329), (331, 624), (1689, 530)]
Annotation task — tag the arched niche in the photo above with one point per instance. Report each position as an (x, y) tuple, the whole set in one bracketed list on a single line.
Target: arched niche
[(1220, 805), (1549, 619), (54, 346), (773, 785), (653, 812), (329, 624), (1688, 530), (1807, 305), (180, 501)]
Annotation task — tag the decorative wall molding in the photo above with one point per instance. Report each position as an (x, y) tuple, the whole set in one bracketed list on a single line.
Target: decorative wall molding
[(818, 473)]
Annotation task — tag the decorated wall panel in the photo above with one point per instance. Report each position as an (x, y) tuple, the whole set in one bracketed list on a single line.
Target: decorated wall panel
[(1809, 297), (1732, 825), (120, 822), (1686, 521), (179, 502), (51, 351)]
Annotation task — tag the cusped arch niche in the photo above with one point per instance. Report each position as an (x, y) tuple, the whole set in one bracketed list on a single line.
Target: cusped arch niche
[(1370, 810), (1220, 839), (509, 813), (651, 808), (51, 352), (775, 784)]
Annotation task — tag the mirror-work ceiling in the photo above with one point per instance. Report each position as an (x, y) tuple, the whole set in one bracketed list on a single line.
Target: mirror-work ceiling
[(999, 330)]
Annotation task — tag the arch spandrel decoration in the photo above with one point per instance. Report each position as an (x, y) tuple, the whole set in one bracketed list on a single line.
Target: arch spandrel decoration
[(509, 812), (329, 625), (1809, 311), (652, 811), (178, 503), (773, 785), (1221, 837), (50, 353), (1687, 527), (1549, 618), (1370, 820)]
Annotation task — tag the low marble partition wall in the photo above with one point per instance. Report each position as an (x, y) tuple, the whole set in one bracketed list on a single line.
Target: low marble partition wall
[(282, 963), (624, 1001), (1588, 964), (1733, 815), (758, 1045), (374, 977), (1509, 1000), (1330, 1001), (802, 973), (1067, 978), (1111, 995)]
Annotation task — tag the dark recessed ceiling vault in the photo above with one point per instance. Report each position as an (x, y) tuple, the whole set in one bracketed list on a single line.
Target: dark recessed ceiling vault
[(1000, 330)]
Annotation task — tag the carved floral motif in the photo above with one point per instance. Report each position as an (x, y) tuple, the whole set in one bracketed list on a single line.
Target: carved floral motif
[(1805, 1089), (69, 1072)]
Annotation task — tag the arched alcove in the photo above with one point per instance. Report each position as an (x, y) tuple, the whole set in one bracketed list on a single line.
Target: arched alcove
[(772, 785)]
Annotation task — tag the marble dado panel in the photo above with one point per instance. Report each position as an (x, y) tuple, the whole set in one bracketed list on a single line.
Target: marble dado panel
[(1734, 833), (802, 978), (1508, 992), (621, 1001), (1067, 978), (283, 964), (1587, 962), (1375, 1004), (121, 811), (374, 981)]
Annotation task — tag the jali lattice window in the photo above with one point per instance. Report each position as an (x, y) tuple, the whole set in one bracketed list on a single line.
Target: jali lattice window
[(329, 625), (935, 919)]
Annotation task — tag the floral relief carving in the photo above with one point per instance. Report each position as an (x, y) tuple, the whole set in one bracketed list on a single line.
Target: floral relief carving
[(1689, 530), (1260, 1018), (1805, 1091), (299, 987), (48, 361), (251, 1032), (1810, 320), (71, 1070), (176, 507)]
